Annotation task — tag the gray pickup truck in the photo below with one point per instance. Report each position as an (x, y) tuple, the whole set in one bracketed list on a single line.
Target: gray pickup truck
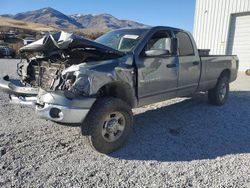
[(69, 79)]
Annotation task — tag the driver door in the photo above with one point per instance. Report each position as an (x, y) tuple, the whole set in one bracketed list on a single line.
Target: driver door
[(157, 75)]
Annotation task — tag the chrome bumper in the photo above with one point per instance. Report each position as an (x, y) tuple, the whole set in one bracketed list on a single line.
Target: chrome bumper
[(23, 101), (10, 87), (48, 105), (61, 114), (53, 112)]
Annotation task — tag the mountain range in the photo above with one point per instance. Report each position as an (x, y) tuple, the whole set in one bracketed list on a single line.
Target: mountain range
[(52, 17)]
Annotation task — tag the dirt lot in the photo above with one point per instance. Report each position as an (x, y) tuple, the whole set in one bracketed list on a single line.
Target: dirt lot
[(176, 143)]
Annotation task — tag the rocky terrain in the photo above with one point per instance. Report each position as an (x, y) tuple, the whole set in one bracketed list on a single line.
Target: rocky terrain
[(177, 143)]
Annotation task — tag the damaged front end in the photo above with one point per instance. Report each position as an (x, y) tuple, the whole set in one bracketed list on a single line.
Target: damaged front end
[(61, 75)]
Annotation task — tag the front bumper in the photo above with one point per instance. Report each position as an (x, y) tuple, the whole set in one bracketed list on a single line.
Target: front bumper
[(62, 114), (52, 106), (56, 107), (15, 87)]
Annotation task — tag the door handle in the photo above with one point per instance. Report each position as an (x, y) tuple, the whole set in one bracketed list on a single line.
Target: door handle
[(196, 63), (171, 65)]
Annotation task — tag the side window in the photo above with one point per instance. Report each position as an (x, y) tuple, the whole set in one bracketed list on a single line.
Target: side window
[(185, 44), (161, 40)]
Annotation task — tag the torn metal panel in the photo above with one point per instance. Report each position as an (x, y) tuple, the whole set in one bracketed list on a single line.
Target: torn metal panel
[(65, 41), (62, 68), (64, 61), (91, 77)]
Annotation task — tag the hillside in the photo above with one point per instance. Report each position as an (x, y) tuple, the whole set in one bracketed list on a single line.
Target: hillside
[(11, 23), (28, 28), (50, 16), (104, 21), (19, 30)]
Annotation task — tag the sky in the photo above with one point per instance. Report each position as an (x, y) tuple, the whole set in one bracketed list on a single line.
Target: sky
[(174, 13)]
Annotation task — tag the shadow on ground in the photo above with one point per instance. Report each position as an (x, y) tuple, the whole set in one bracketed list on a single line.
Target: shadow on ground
[(191, 130)]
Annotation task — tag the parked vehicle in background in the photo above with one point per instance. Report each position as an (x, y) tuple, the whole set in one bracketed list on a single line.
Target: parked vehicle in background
[(70, 79), (7, 52), (28, 40)]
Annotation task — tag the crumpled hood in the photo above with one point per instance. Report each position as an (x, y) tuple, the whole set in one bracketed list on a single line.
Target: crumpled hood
[(63, 41), (75, 65)]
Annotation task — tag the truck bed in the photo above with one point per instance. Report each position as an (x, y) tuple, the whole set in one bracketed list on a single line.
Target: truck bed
[(213, 65)]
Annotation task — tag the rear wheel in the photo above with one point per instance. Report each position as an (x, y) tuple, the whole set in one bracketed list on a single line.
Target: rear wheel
[(219, 94), (109, 123)]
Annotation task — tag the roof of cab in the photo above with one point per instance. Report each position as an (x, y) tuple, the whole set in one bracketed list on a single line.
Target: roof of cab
[(151, 28)]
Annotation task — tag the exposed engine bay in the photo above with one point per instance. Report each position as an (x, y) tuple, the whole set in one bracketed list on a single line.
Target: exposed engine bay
[(47, 63)]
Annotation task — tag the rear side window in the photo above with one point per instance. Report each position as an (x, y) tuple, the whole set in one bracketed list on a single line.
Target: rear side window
[(185, 44)]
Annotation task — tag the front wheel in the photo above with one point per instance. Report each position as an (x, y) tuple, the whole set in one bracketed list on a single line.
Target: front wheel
[(110, 123), (219, 94)]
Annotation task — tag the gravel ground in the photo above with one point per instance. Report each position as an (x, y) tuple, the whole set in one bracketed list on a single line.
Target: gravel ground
[(176, 143)]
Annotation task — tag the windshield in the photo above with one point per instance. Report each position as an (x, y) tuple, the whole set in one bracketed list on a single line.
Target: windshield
[(122, 40)]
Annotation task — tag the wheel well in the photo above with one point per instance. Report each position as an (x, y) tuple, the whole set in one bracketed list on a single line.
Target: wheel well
[(119, 90), (225, 72)]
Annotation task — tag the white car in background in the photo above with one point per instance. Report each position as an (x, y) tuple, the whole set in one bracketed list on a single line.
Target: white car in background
[(28, 40)]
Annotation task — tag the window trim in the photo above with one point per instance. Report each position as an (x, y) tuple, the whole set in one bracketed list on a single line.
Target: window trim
[(171, 35), (174, 32)]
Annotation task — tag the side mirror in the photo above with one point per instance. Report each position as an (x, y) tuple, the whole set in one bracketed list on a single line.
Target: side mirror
[(154, 53), (171, 46)]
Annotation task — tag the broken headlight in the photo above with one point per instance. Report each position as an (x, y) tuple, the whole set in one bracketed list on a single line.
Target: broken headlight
[(69, 83), (77, 87)]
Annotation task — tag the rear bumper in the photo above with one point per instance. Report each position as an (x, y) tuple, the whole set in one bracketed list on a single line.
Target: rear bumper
[(49, 105)]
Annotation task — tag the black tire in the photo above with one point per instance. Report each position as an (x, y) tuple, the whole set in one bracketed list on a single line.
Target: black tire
[(99, 128), (219, 94)]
